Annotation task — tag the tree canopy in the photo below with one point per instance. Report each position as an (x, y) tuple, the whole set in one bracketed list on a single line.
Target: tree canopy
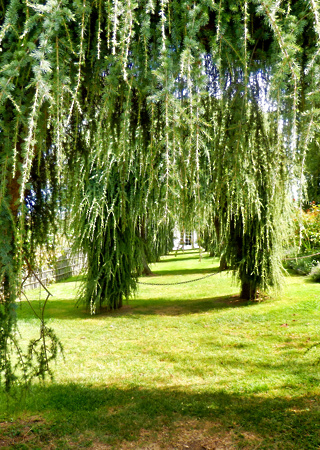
[(128, 115)]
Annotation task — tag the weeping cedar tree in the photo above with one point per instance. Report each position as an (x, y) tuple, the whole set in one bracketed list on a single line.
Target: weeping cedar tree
[(248, 237), (111, 111)]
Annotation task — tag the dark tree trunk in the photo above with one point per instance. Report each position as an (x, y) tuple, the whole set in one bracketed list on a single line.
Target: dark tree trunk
[(8, 282), (223, 263), (119, 303), (248, 290), (7, 239), (146, 269), (143, 235)]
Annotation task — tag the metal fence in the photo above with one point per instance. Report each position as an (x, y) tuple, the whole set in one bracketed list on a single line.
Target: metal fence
[(65, 267)]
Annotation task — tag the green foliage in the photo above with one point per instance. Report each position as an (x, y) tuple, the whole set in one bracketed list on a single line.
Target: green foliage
[(7, 341), (304, 265), (41, 352), (20, 367), (308, 229), (315, 273), (158, 240), (313, 171), (249, 206), (305, 240)]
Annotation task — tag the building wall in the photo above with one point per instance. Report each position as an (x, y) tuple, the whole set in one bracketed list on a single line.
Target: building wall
[(185, 240)]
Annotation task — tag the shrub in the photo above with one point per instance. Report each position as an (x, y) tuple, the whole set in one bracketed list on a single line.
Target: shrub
[(306, 240), (315, 273), (303, 266), (307, 229)]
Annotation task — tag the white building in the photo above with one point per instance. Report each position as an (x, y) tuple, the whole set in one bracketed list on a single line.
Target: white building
[(184, 240)]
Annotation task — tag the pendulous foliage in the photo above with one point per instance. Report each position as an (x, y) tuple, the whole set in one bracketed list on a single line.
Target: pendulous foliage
[(130, 115)]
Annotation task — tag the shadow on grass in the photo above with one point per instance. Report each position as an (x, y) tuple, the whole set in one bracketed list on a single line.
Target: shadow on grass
[(68, 310), (116, 414), (194, 257), (310, 280), (55, 309), (190, 252), (197, 271), (165, 307)]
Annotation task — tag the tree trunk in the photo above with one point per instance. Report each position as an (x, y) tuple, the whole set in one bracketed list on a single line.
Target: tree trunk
[(8, 282), (143, 236), (146, 269), (248, 290), (8, 260), (223, 263)]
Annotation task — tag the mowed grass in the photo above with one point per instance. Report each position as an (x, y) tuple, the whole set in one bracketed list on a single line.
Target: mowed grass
[(180, 366)]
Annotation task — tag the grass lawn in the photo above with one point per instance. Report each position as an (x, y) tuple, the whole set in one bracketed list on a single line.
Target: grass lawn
[(186, 366)]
